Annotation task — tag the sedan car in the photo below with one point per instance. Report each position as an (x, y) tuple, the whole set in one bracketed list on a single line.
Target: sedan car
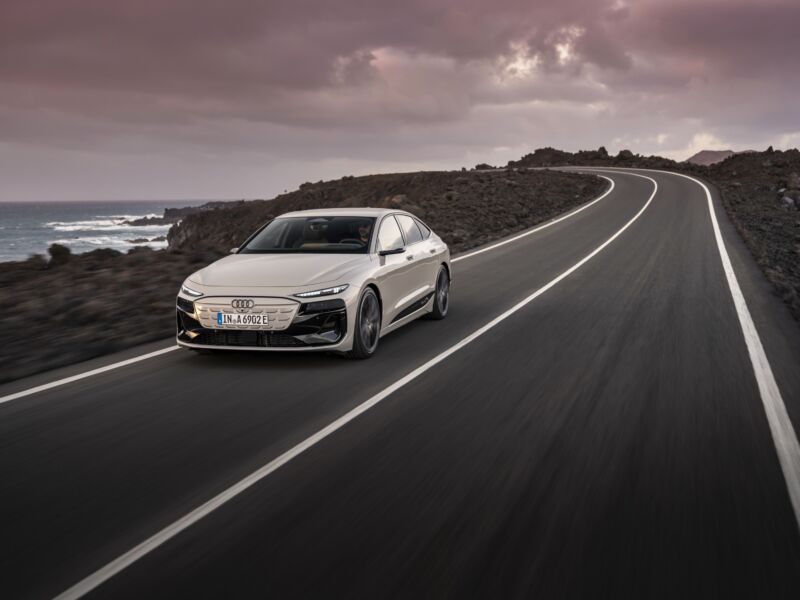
[(332, 279)]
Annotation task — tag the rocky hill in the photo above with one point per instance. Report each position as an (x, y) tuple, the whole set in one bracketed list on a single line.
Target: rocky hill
[(709, 157), (551, 157), (466, 208)]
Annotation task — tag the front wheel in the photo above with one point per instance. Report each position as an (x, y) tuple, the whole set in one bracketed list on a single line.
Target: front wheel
[(367, 330), (441, 296)]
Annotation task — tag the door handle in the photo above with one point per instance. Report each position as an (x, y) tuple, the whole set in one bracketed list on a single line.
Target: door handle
[(432, 250), (410, 257)]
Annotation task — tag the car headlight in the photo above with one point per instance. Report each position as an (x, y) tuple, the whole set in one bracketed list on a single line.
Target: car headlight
[(324, 292), (190, 292)]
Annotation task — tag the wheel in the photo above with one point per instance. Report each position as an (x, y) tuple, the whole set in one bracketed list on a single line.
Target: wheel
[(367, 330), (441, 297)]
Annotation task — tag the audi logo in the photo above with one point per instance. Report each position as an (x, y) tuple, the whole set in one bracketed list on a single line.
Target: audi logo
[(242, 303)]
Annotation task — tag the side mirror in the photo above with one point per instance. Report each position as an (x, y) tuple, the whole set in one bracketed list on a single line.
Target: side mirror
[(392, 251), (234, 250)]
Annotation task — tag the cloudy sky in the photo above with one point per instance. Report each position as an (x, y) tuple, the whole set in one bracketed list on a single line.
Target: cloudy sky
[(107, 99)]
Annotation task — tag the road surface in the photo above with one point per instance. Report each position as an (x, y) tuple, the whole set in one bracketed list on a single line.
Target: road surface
[(588, 421)]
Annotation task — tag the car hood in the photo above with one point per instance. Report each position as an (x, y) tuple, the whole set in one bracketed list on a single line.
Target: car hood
[(278, 270)]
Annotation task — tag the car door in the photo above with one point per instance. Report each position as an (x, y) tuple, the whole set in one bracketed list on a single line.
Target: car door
[(433, 250), (395, 275), (422, 278)]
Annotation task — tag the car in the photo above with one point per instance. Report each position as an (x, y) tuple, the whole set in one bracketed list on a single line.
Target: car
[(329, 279)]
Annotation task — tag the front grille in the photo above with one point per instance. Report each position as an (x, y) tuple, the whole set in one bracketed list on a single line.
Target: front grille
[(250, 339), (281, 340), (185, 305), (279, 311), (247, 339), (229, 338)]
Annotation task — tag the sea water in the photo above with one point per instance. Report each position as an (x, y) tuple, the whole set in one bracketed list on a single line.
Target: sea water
[(30, 227)]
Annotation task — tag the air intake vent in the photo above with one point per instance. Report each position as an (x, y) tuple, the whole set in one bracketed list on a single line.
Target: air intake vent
[(185, 305)]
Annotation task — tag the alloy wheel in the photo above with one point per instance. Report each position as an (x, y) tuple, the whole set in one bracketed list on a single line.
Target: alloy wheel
[(370, 321), (442, 291)]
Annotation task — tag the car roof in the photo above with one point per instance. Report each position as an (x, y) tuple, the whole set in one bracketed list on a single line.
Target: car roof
[(348, 212)]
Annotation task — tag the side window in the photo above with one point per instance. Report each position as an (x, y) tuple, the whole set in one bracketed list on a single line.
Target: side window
[(410, 229), (389, 237), (426, 232)]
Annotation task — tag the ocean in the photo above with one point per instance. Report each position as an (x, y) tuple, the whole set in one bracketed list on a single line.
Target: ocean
[(29, 228)]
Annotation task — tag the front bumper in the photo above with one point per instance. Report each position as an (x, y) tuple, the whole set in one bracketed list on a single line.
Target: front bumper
[(315, 325)]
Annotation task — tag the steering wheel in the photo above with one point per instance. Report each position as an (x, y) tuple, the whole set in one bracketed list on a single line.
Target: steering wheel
[(351, 241)]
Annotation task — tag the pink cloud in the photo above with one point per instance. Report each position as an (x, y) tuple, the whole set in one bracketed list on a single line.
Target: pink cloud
[(378, 82)]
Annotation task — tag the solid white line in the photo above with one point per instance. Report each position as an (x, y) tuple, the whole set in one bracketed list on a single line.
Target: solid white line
[(540, 227), (780, 425), (123, 363), (60, 382), (131, 556)]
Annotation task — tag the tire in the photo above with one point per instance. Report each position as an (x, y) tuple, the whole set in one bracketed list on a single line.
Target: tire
[(441, 295), (367, 328)]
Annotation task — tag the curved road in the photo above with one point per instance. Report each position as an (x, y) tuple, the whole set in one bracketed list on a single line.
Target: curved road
[(590, 420)]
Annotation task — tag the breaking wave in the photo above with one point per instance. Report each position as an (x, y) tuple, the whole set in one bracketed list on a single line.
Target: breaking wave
[(104, 241), (107, 223)]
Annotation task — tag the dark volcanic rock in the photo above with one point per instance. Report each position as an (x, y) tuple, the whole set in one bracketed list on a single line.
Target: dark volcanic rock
[(145, 221), (550, 157), (94, 303), (59, 255), (173, 215), (447, 200), (768, 224)]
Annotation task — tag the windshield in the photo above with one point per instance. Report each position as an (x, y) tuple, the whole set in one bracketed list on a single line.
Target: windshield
[(339, 235)]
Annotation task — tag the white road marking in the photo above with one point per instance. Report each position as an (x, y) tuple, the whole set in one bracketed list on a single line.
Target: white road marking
[(60, 382), (540, 227), (84, 375), (780, 425), (131, 556)]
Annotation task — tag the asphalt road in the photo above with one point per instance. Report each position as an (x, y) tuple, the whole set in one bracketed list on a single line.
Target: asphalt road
[(608, 439)]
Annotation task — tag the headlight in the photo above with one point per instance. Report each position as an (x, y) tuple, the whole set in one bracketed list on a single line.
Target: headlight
[(324, 292), (190, 292)]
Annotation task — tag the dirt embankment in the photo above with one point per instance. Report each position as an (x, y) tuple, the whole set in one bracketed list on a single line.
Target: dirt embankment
[(760, 192), (70, 308)]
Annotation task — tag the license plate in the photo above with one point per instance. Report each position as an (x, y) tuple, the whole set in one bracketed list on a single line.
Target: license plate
[(247, 319)]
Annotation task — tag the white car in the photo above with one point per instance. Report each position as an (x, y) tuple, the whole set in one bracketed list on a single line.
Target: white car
[(330, 279)]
